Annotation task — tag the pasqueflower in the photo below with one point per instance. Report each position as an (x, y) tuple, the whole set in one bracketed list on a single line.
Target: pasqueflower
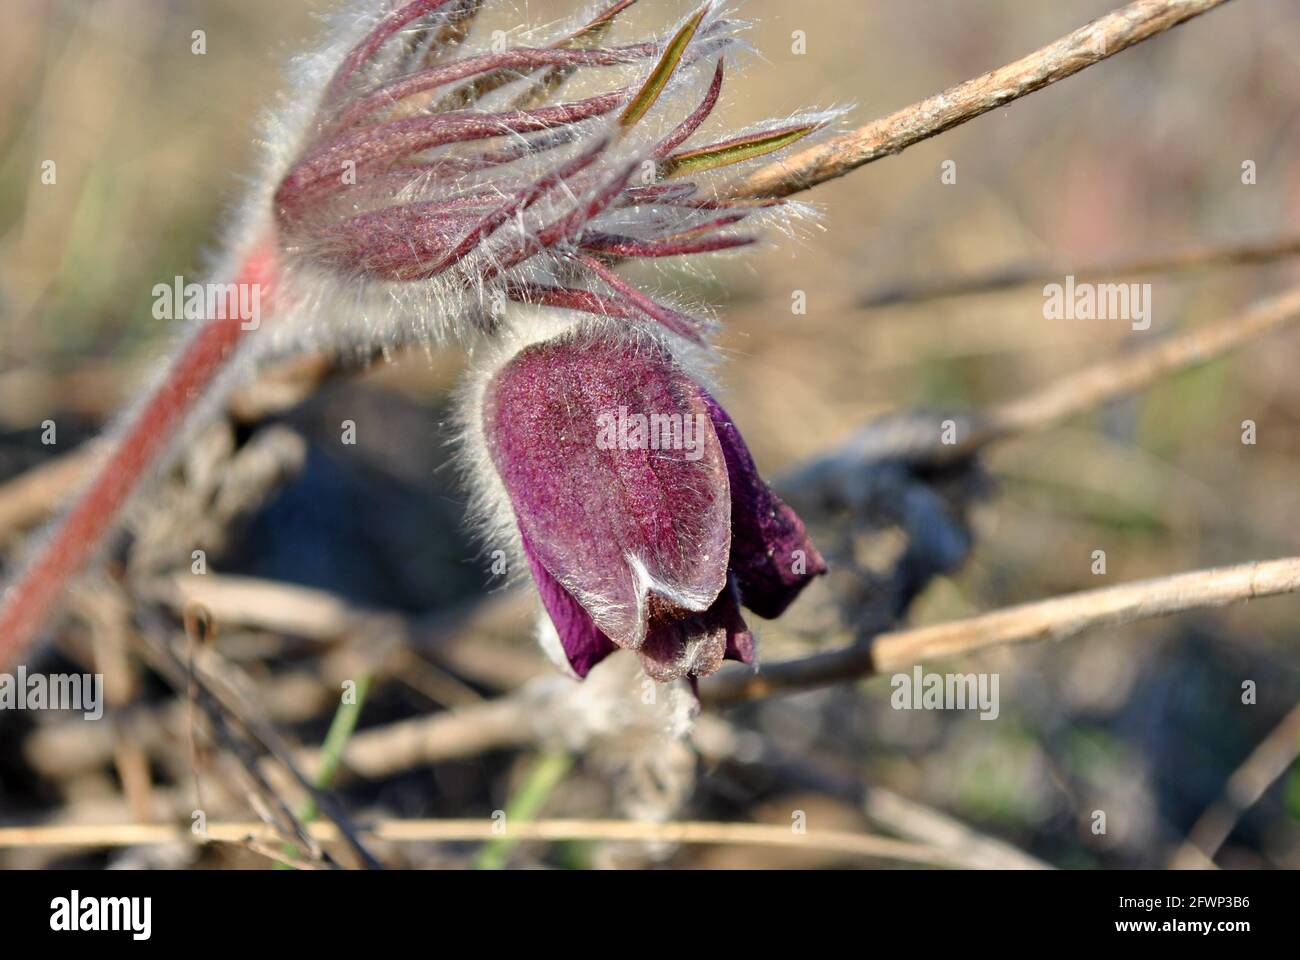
[(649, 537), (434, 169), (447, 175)]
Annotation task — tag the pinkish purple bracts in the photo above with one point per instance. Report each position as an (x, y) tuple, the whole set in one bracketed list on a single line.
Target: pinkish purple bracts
[(650, 544), (437, 164)]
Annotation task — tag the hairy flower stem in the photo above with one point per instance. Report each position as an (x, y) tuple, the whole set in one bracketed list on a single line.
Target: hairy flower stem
[(28, 602)]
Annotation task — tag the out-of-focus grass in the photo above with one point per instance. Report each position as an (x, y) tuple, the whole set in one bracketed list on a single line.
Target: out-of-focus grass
[(544, 775)]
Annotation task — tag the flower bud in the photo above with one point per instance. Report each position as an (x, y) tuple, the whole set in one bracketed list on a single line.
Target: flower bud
[(446, 174), (640, 512)]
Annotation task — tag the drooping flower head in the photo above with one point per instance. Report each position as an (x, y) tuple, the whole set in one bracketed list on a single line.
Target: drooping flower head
[(445, 171), (639, 509)]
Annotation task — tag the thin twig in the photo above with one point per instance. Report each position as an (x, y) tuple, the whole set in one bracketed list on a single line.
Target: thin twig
[(281, 817), (719, 742), (505, 722), (924, 824), (220, 700), (1120, 376), (276, 854), (1266, 763), (200, 627), (427, 831), (29, 498), (1063, 58), (918, 440), (382, 751), (453, 636), (1054, 619), (1033, 275)]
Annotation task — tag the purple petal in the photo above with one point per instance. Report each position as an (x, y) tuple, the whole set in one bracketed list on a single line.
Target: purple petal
[(772, 556), (636, 535), (696, 645), (740, 642), (583, 643), (683, 647)]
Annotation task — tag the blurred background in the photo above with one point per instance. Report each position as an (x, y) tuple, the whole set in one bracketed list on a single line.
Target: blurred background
[(1131, 159)]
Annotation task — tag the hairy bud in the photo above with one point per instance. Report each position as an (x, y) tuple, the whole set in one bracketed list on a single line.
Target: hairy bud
[(639, 510), (446, 174)]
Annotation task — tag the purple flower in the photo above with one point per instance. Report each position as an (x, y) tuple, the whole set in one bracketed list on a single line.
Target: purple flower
[(444, 178), (642, 516)]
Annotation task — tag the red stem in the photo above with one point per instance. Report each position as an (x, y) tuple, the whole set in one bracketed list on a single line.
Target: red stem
[(27, 604)]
